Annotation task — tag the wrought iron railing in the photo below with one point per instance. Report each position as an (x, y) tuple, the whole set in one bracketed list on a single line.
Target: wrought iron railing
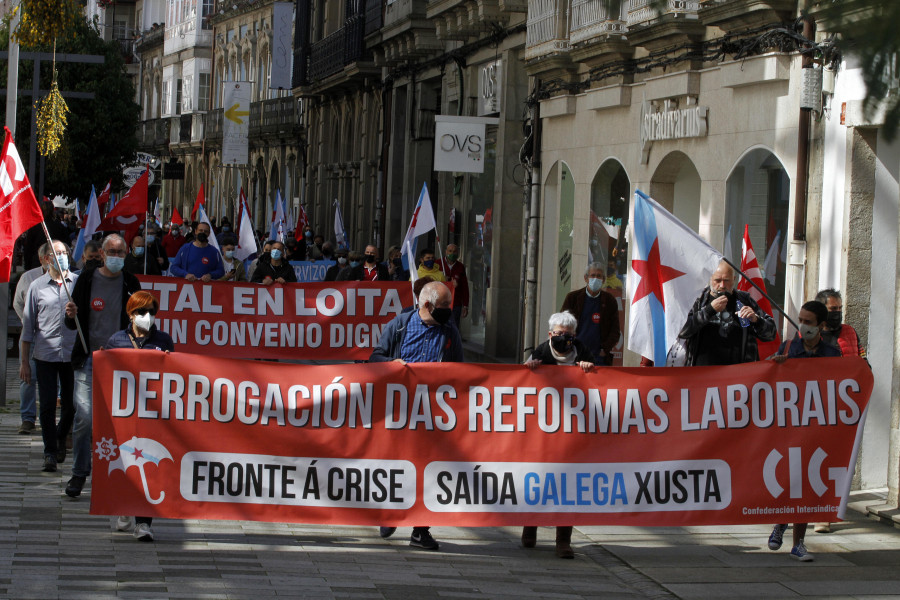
[(374, 16), (212, 125), (590, 18), (341, 48)]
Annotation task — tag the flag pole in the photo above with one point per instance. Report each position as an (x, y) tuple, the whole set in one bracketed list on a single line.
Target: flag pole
[(146, 227), (774, 304), (68, 293)]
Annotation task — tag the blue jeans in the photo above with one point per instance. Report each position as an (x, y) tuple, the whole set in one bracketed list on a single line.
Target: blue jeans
[(81, 433), (27, 397)]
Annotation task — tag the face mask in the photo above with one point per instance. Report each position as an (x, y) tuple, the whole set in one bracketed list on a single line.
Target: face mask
[(139, 251), (144, 322), (94, 263), (594, 284), (834, 319), (610, 271), (441, 315), (226, 228), (562, 343), (452, 257), (428, 264), (63, 262), (176, 231), (276, 254), (229, 254), (203, 237), (151, 238), (115, 263), (354, 263), (809, 333), (342, 261), (370, 258), (397, 262), (307, 235)]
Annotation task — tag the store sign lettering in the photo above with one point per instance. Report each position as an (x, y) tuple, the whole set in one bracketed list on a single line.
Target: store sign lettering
[(668, 122), (460, 143), (455, 143)]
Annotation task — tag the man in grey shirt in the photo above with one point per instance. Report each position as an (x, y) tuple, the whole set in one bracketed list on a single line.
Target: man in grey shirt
[(27, 402), (99, 300), (44, 326)]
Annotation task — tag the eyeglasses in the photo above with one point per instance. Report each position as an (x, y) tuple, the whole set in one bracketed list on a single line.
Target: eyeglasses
[(144, 311), (555, 333)]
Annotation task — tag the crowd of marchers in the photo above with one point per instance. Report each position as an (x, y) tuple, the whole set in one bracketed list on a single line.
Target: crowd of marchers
[(69, 311)]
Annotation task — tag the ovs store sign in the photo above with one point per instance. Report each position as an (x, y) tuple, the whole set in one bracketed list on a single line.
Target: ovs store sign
[(459, 143)]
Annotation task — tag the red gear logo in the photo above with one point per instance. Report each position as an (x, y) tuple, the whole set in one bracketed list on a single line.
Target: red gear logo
[(97, 304)]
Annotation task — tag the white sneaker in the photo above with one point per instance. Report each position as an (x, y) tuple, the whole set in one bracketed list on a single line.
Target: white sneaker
[(124, 523), (142, 532)]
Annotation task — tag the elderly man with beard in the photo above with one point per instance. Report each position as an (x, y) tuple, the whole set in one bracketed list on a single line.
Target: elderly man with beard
[(724, 324)]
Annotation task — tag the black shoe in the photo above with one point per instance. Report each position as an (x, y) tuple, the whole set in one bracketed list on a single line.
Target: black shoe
[(49, 464), (73, 488), (61, 453), (26, 427), (386, 532), (421, 538)]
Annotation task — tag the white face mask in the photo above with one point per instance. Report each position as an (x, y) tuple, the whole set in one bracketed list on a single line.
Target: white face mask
[(144, 322), (809, 333)]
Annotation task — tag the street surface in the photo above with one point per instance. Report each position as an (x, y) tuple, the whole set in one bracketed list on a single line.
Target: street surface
[(50, 547)]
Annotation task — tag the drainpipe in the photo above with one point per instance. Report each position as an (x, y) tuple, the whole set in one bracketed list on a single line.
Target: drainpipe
[(532, 232)]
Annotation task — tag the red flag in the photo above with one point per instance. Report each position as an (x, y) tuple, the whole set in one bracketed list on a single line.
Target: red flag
[(19, 209), (130, 211), (176, 217), (302, 222), (452, 220), (201, 199), (750, 266), (103, 198)]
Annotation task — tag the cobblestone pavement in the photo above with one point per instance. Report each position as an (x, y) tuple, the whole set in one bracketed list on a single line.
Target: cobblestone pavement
[(50, 547)]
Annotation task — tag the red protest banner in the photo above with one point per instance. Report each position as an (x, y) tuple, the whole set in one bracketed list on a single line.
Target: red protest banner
[(325, 321), (187, 436)]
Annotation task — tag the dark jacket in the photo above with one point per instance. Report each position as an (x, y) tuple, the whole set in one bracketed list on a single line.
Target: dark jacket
[(609, 317), (359, 273), (702, 319), (544, 354), (135, 264), (266, 269), (81, 295), (157, 340), (332, 273), (391, 340)]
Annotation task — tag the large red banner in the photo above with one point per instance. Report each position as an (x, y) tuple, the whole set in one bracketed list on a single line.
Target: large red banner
[(322, 321), (188, 436)]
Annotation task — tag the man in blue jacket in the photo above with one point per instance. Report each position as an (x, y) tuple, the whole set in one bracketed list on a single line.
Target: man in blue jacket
[(198, 260), (425, 335)]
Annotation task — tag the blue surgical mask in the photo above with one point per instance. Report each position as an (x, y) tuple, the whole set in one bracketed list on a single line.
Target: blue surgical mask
[(354, 263), (428, 264), (139, 251), (594, 284), (115, 263), (276, 254), (151, 238), (229, 254), (63, 261)]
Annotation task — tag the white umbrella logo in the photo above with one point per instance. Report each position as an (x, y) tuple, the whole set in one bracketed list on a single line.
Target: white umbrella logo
[(138, 452)]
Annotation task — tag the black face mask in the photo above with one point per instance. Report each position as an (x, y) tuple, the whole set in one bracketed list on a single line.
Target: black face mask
[(370, 258), (562, 343), (202, 237), (441, 315), (94, 263), (834, 319), (397, 262)]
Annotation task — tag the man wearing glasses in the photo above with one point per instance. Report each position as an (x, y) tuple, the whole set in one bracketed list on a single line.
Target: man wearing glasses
[(99, 301)]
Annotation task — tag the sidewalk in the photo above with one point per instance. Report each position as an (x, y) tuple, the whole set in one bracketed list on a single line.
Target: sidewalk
[(50, 547)]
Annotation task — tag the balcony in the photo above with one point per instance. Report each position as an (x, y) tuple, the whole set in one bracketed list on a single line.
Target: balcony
[(338, 50), (595, 18), (212, 125), (642, 12), (161, 132), (548, 29)]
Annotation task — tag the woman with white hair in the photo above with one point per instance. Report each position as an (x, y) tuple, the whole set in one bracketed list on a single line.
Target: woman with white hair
[(561, 348)]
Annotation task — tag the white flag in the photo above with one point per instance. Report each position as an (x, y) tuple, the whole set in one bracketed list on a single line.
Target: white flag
[(421, 223), (246, 246), (340, 234)]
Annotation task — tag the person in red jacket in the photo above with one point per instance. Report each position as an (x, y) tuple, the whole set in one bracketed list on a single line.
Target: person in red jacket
[(836, 332), (173, 241), (455, 272)]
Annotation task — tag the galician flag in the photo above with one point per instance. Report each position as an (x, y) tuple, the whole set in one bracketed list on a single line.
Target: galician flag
[(340, 233), (277, 225), (88, 226), (671, 265), (202, 218), (421, 223), (246, 246)]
